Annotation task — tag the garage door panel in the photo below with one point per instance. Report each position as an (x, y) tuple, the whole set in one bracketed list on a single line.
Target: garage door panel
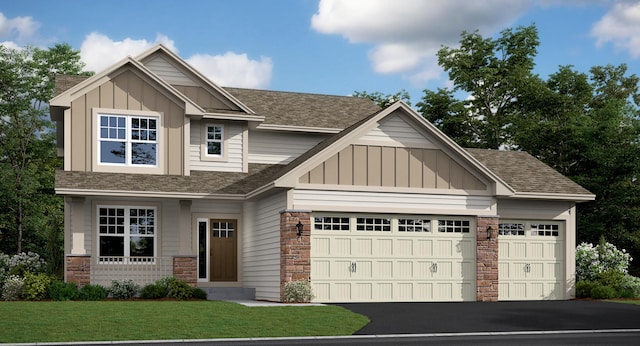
[(321, 269), (404, 247), (363, 269), (339, 269), (321, 246), (363, 247), (443, 248), (383, 247), (423, 248), (384, 269), (340, 247), (404, 269)]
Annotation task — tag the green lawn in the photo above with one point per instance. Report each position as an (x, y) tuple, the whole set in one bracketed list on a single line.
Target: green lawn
[(156, 320), (624, 301)]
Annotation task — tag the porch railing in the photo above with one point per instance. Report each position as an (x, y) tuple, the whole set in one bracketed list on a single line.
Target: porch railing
[(142, 270)]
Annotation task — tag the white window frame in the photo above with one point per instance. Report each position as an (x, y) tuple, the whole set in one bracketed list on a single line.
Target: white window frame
[(128, 166), (204, 152), (127, 232), (207, 243)]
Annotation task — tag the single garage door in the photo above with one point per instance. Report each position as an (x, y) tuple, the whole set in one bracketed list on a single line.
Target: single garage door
[(531, 260), (382, 258)]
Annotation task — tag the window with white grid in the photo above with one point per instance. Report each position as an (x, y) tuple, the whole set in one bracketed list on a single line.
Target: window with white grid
[(547, 230), (454, 226), (331, 223), (511, 229), (414, 225), (373, 224)]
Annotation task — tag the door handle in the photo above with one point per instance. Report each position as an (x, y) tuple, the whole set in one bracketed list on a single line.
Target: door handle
[(434, 267), (354, 267), (527, 268)]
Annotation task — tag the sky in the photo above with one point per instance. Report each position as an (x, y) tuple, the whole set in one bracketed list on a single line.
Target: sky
[(332, 47)]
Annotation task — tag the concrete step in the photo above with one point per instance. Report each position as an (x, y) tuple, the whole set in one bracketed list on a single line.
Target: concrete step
[(230, 293)]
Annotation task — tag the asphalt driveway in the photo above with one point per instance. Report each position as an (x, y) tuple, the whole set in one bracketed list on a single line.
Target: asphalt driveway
[(467, 317)]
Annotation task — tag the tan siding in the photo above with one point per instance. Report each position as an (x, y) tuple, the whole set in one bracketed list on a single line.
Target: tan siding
[(78, 135), (119, 93), (233, 144), (201, 97), (374, 166), (393, 167), (360, 165), (279, 147), (388, 166), (135, 93), (443, 177), (415, 168), (345, 166), (166, 71), (106, 95), (331, 170), (402, 167), (430, 167)]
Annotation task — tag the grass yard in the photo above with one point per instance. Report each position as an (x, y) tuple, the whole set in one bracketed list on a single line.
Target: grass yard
[(156, 320), (625, 301)]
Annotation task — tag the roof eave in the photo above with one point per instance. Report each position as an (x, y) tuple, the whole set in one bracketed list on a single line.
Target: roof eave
[(291, 128), (150, 194), (553, 196)]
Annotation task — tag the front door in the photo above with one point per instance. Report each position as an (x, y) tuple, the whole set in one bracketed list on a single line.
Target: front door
[(223, 256)]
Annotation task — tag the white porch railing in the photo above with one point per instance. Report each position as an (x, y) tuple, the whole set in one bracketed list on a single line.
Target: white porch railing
[(142, 270)]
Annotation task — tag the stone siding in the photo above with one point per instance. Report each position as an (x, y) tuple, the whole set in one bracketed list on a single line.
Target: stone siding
[(487, 259), (295, 251)]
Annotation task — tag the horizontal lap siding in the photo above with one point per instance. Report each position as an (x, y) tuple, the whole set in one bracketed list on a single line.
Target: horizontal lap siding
[(278, 147), (397, 131), (320, 200), (262, 248), (167, 71), (233, 145)]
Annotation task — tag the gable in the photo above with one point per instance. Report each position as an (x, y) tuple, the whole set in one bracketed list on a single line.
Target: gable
[(395, 152)]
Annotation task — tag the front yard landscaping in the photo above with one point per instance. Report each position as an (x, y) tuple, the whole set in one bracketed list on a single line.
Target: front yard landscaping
[(68, 321)]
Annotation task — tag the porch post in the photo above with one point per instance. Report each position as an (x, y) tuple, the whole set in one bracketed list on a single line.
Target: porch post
[(295, 251), (487, 258)]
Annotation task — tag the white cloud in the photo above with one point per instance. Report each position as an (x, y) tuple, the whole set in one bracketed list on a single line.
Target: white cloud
[(406, 35), (620, 26), (99, 51), (231, 69), (18, 29)]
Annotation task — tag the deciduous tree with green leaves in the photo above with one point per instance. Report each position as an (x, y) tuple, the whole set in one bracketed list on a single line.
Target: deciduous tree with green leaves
[(30, 213)]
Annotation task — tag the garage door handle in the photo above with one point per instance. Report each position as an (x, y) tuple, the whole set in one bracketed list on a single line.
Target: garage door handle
[(434, 267), (354, 267), (527, 268)]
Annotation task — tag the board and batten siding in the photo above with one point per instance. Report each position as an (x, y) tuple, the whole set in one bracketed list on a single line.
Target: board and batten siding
[(233, 146), (261, 248), (388, 202), (280, 147), (126, 91)]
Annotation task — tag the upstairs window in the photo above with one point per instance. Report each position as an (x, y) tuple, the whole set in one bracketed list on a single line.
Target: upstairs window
[(128, 140), (214, 140)]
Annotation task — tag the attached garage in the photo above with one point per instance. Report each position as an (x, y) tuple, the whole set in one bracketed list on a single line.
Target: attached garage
[(370, 258), (531, 260)]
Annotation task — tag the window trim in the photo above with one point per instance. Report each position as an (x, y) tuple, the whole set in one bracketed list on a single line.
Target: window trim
[(127, 234), (98, 166), (204, 156)]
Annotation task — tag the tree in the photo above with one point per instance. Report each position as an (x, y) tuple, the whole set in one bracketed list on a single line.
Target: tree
[(383, 100), (492, 72), (29, 207)]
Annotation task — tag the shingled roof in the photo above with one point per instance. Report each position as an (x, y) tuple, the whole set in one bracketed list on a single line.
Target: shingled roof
[(308, 110), (525, 173)]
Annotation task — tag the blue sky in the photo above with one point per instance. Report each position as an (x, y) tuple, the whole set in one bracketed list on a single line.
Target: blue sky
[(327, 46)]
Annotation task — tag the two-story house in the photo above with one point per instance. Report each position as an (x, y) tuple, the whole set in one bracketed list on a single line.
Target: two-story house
[(238, 191)]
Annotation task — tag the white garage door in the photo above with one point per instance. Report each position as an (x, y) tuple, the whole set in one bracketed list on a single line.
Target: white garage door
[(531, 260), (357, 258)]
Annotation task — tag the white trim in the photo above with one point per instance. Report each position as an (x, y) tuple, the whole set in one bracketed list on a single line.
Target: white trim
[(292, 128), (206, 250), (554, 196), (67, 139), (127, 167), (121, 193), (126, 228), (224, 143), (226, 116)]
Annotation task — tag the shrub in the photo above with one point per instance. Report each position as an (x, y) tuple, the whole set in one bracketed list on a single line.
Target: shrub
[(593, 260), (180, 290), (584, 287), (603, 292), (165, 282), (631, 286), (93, 292), (20, 264), (60, 290), (153, 291), (199, 293), (36, 286), (124, 289), (298, 292), (12, 288)]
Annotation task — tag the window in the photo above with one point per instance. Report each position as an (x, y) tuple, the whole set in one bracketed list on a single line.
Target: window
[(331, 223), (128, 140), (544, 230), (373, 224), (414, 225), (214, 140), (511, 229), (126, 231), (453, 226)]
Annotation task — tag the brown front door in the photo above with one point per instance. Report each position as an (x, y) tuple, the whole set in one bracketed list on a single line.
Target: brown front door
[(224, 259)]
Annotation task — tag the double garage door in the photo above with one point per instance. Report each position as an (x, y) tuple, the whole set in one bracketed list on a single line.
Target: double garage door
[(363, 258), (390, 258)]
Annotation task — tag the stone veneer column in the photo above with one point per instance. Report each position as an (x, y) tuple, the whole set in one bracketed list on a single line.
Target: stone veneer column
[(77, 268), (185, 269), (487, 259), (295, 252)]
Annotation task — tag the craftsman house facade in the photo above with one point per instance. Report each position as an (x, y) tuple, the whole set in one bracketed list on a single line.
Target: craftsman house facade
[(239, 191)]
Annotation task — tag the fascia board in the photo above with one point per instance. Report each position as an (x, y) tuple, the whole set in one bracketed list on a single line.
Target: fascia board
[(290, 128), (188, 67), (553, 196), (152, 194), (224, 116)]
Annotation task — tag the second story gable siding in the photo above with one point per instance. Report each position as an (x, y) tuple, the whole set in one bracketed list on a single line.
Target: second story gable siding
[(280, 147)]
